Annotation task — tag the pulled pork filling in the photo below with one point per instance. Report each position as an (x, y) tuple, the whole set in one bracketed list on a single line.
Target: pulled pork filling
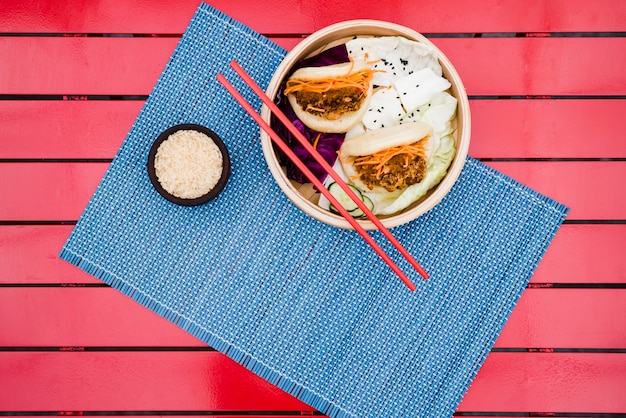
[(331, 104), (399, 172)]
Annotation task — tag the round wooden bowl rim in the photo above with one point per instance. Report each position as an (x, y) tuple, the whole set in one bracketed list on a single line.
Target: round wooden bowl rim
[(320, 40)]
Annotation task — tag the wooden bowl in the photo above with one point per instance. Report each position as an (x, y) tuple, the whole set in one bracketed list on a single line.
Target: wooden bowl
[(303, 196)]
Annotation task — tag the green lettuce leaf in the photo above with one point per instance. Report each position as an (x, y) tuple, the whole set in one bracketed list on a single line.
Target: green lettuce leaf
[(390, 203)]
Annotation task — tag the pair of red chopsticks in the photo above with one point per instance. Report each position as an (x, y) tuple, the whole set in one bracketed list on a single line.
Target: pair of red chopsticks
[(318, 184)]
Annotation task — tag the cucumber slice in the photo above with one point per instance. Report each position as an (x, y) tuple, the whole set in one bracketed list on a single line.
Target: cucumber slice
[(345, 201), (358, 213), (343, 197)]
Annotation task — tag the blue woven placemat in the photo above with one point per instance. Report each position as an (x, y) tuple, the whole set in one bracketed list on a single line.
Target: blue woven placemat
[(308, 307)]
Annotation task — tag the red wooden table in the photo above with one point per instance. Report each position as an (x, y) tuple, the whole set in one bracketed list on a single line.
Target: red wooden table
[(548, 97)]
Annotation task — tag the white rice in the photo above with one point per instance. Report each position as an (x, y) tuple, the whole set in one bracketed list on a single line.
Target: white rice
[(188, 164)]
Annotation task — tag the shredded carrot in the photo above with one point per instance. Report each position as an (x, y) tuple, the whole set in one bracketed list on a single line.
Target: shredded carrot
[(380, 158), (372, 62), (317, 139), (359, 80)]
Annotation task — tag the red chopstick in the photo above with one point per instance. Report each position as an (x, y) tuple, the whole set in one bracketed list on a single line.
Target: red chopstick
[(272, 106), (281, 144)]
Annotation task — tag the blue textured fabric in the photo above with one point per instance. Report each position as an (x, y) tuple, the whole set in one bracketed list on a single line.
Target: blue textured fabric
[(308, 307)]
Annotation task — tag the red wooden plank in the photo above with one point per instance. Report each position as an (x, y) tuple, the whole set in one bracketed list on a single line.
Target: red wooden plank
[(511, 382), (60, 191), (75, 317), (29, 254), (593, 190), (578, 254), (79, 66), (283, 415), (488, 66), (538, 66), (585, 254), (65, 128), (567, 318), (78, 317), (47, 191), (228, 415), (136, 381), (546, 128), (500, 128), (172, 16)]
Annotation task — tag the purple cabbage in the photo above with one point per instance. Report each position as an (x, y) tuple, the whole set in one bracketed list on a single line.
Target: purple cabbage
[(328, 143), (334, 55)]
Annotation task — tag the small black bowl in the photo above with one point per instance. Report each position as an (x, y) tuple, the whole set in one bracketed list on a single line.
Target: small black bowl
[(215, 190)]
